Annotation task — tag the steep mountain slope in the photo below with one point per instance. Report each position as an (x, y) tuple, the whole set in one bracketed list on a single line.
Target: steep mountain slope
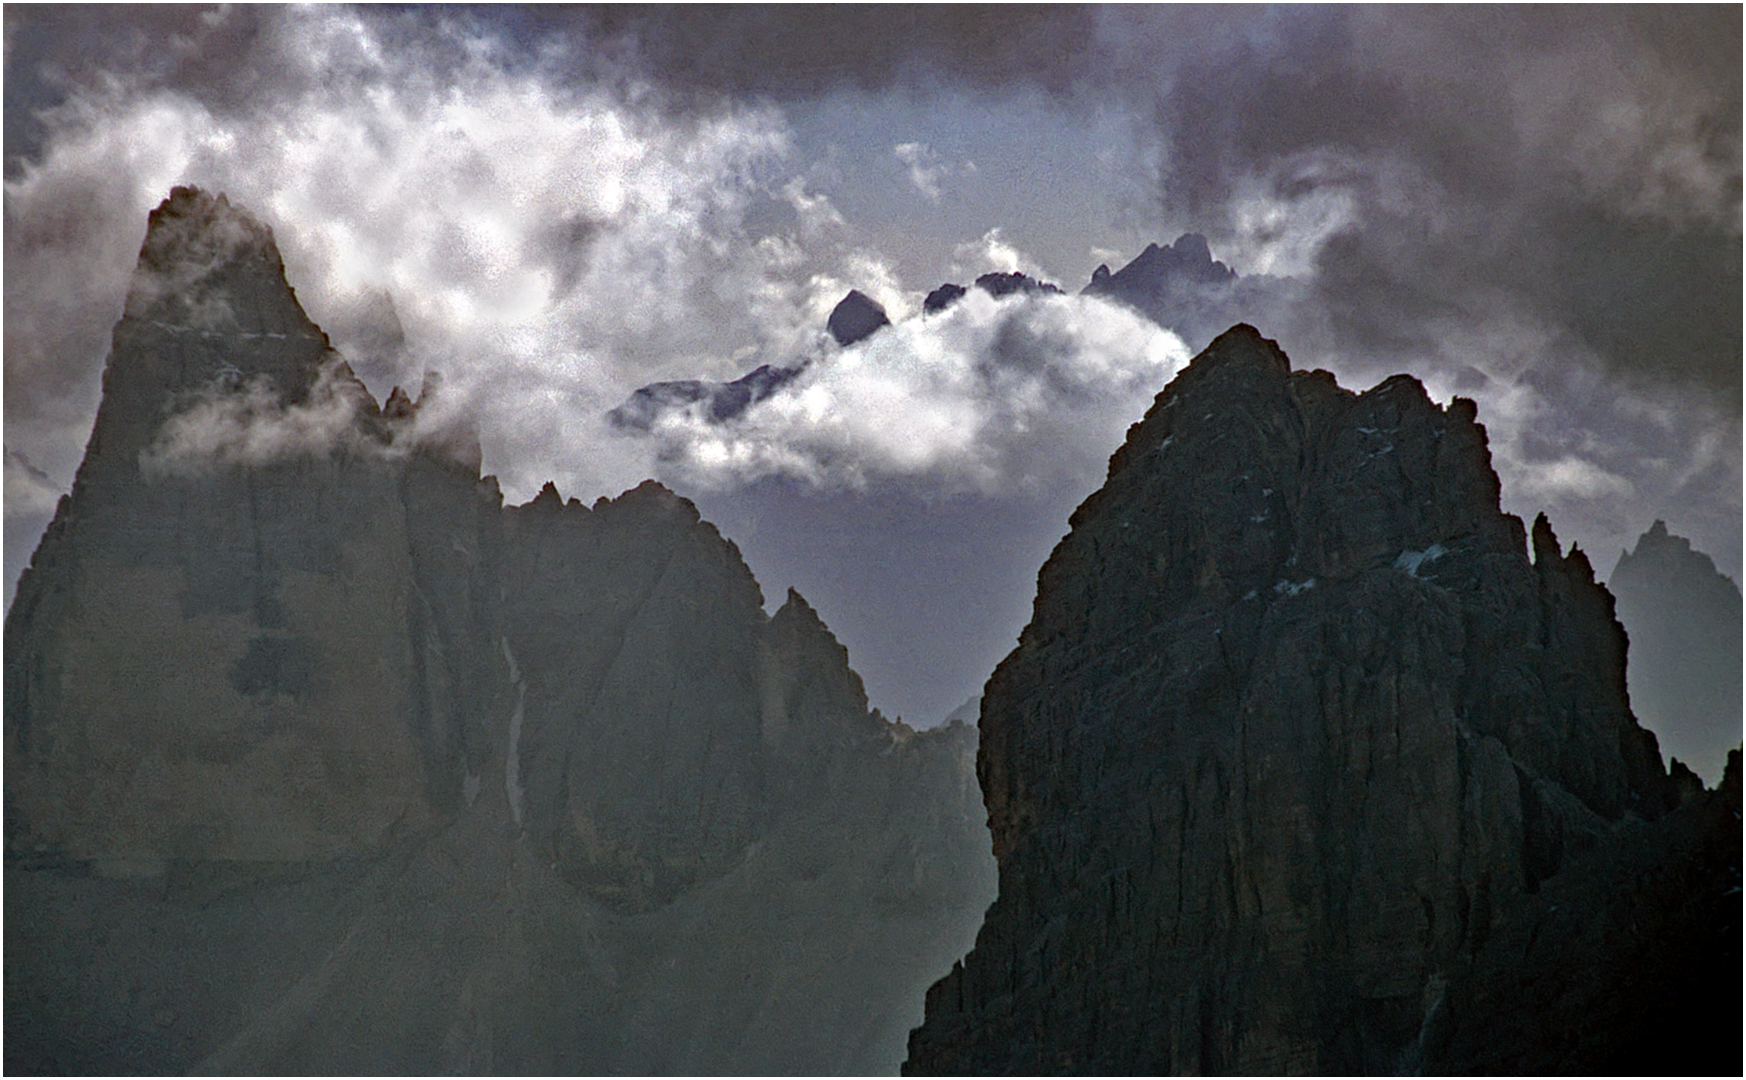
[(1295, 729), (1684, 621), (320, 759)]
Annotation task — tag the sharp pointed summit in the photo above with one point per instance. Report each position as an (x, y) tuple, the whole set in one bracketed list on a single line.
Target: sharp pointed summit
[(290, 690)]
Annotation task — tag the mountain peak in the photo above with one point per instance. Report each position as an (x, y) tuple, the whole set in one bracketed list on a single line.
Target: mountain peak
[(1243, 342), (208, 307), (1684, 618), (194, 234), (856, 317), (1180, 286), (1293, 709)]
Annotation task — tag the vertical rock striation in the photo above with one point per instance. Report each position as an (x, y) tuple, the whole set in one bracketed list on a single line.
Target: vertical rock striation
[(1295, 719)]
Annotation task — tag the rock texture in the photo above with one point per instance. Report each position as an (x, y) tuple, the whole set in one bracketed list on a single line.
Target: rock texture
[(1684, 621), (1297, 729), (320, 759)]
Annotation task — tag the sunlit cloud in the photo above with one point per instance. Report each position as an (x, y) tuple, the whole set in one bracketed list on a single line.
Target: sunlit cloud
[(999, 397)]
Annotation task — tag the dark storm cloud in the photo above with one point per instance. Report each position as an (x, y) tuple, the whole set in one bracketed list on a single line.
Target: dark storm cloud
[(1581, 166), (787, 53), (234, 58)]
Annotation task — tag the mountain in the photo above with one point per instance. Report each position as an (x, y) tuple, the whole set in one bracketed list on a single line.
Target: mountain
[(995, 284), (1684, 620), (855, 318), (1180, 287), (321, 759), (1303, 765), (721, 402)]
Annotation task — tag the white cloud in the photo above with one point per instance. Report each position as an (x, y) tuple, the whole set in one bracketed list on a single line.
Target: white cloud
[(249, 425), (924, 167), (547, 248), (927, 170), (1000, 397), (992, 253)]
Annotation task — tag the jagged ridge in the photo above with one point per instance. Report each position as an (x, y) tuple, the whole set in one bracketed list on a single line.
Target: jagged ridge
[(1295, 726)]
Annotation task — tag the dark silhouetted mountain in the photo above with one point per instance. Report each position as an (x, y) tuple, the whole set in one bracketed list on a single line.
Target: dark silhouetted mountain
[(1297, 734), (1683, 618), (855, 318), (942, 298), (1005, 284), (995, 284), (320, 759), (1180, 287)]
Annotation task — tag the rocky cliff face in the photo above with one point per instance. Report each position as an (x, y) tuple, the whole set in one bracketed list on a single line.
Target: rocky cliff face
[(1296, 726), (318, 758), (1684, 621)]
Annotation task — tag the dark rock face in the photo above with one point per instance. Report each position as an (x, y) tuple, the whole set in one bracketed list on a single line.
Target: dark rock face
[(1684, 621), (1627, 962), (1295, 728), (360, 771), (942, 298), (855, 318)]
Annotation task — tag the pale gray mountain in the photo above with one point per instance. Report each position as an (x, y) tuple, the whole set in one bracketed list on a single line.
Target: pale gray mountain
[(1183, 288), (1684, 619), (320, 759)]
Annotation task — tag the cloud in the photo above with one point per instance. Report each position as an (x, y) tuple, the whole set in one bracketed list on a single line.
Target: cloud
[(926, 170), (992, 253), (547, 246), (997, 397), (1537, 208), (28, 487), (1582, 166), (232, 423)]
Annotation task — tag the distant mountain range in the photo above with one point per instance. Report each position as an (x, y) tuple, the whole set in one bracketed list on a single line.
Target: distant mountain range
[(1180, 287)]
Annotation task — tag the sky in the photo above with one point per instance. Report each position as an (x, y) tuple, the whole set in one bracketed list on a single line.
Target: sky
[(1537, 208)]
